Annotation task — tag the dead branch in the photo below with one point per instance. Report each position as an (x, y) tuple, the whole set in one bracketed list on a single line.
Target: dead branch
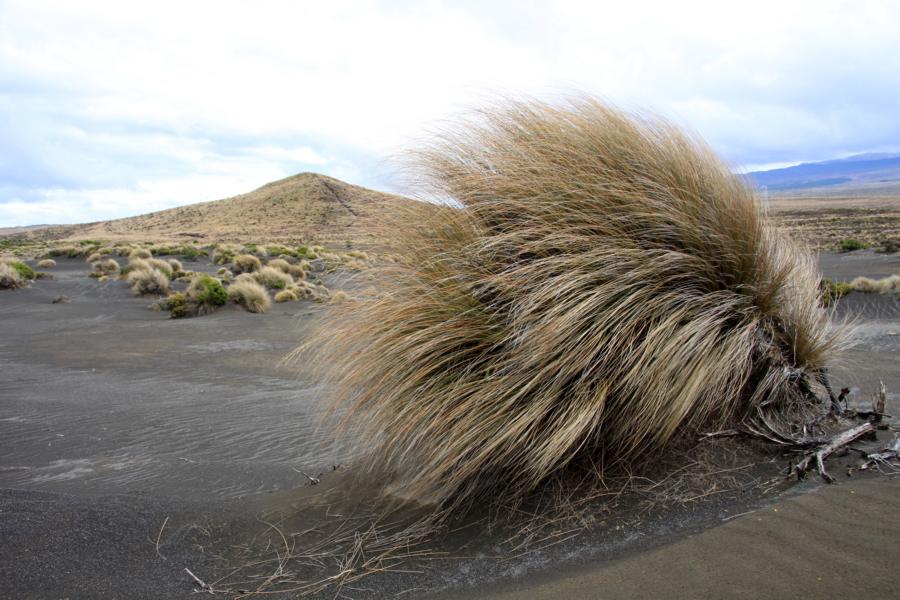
[(820, 454)]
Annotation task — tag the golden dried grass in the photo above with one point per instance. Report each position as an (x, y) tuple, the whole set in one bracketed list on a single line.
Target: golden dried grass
[(598, 283)]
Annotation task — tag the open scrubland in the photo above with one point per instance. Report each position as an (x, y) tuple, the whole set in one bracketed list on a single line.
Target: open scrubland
[(160, 412)]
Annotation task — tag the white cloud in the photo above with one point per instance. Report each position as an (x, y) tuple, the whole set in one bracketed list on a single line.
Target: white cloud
[(98, 96)]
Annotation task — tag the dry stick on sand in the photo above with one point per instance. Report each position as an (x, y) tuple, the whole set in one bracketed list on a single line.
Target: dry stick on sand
[(820, 454), (203, 585)]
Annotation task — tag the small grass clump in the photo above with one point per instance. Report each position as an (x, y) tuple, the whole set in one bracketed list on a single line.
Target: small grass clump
[(109, 266), (297, 272), (307, 252), (161, 265), (24, 271), (176, 304), (246, 263), (140, 253), (94, 257), (10, 278), (832, 290), (207, 293), (250, 295), (339, 297), (148, 281), (286, 296), (273, 278), (866, 285), (280, 264), (176, 265), (851, 244), (47, 263)]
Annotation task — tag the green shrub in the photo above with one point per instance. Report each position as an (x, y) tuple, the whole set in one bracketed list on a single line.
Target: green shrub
[(851, 244), (832, 290), (279, 250), (307, 252), (22, 269), (190, 253), (207, 293), (176, 304)]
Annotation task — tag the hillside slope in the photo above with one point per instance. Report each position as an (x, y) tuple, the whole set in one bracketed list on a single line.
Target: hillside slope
[(306, 207)]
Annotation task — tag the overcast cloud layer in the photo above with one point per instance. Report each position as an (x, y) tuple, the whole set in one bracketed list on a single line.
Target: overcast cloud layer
[(111, 109)]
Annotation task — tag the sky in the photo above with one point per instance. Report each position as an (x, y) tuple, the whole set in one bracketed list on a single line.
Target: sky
[(110, 109)]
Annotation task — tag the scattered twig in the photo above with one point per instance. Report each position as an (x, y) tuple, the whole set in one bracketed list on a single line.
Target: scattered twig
[(312, 480), (203, 585), (159, 535)]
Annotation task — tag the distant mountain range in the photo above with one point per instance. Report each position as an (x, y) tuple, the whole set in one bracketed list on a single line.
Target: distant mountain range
[(861, 170)]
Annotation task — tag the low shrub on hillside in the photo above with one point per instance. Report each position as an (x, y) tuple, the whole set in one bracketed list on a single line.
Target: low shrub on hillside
[(139, 253), (280, 250), (94, 257), (851, 244), (47, 263), (250, 295)]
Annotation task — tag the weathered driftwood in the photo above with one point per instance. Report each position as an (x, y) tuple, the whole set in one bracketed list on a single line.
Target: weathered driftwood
[(883, 458), (820, 454)]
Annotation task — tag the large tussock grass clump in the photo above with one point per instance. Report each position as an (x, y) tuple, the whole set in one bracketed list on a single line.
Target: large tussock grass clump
[(602, 285)]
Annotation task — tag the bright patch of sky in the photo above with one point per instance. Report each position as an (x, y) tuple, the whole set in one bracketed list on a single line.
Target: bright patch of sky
[(109, 109)]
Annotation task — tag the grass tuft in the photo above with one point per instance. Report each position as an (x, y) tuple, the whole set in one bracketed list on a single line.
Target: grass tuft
[(10, 278), (246, 263), (597, 284), (273, 278), (250, 295), (286, 296), (148, 281)]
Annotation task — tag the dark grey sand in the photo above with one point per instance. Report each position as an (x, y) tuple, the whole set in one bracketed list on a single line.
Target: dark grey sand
[(115, 419)]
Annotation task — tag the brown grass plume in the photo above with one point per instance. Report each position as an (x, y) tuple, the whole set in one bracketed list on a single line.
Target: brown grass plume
[(596, 283)]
